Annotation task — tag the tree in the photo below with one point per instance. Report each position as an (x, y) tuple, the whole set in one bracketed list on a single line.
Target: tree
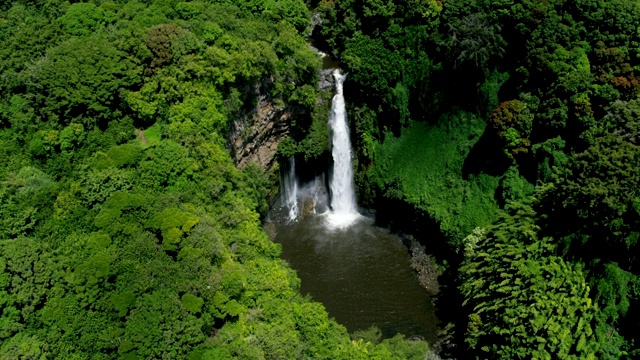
[(80, 80), (595, 192), (513, 122), (524, 302), (159, 40), (83, 19), (623, 121), (475, 39)]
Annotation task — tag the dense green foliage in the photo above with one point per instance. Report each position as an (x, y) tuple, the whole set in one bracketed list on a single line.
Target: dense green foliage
[(462, 108), (126, 231), (432, 178), (519, 290)]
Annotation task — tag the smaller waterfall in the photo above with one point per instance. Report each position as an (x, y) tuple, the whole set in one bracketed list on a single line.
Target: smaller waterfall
[(316, 193), (290, 190)]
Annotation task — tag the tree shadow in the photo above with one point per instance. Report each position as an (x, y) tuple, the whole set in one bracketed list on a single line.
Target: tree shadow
[(403, 218), (486, 157)]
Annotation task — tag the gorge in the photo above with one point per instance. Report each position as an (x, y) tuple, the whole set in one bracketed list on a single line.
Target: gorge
[(361, 273)]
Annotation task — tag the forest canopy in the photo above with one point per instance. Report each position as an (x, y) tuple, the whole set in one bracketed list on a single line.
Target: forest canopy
[(126, 230)]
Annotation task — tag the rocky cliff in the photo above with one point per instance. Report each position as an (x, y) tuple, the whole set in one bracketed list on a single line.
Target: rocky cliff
[(255, 135)]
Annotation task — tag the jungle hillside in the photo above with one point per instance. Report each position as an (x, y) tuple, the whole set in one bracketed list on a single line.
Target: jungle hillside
[(503, 135)]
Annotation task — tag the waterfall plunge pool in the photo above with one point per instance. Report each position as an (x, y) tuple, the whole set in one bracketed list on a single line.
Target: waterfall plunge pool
[(361, 274)]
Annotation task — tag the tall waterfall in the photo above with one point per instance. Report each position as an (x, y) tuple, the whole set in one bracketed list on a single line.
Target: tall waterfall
[(343, 197), (290, 190)]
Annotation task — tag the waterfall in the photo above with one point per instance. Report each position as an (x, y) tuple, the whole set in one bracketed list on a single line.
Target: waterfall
[(343, 198), (290, 190)]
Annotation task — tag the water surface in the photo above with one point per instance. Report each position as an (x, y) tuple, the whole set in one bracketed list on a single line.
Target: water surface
[(361, 274)]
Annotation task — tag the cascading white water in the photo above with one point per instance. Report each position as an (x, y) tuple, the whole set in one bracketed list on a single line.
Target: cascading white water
[(343, 198), (290, 190)]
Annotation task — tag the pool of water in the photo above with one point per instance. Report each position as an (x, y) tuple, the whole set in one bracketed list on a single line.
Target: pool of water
[(361, 274)]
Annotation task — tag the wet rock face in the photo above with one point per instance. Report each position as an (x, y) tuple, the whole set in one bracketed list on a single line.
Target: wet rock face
[(255, 135), (326, 80)]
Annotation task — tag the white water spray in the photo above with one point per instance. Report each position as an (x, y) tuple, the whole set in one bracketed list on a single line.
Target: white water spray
[(290, 190), (343, 197)]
